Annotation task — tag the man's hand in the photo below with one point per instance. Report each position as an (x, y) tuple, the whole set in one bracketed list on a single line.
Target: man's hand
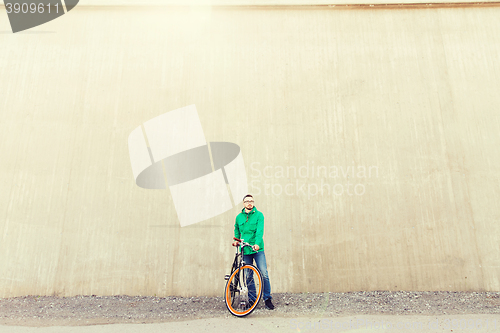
[(255, 247), (236, 243)]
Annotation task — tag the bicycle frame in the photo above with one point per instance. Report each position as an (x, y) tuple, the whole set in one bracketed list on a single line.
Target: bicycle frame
[(244, 279), (238, 259)]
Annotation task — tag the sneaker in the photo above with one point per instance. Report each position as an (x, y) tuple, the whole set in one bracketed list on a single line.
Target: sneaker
[(269, 305)]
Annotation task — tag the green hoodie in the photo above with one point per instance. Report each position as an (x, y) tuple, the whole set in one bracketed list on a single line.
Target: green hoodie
[(250, 228)]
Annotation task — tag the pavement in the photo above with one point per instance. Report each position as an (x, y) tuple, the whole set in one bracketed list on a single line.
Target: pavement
[(254, 323)]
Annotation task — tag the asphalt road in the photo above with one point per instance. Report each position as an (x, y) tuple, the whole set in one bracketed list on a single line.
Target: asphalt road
[(481, 323)]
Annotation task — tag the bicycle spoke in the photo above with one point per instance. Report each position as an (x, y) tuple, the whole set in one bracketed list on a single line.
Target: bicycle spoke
[(243, 290)]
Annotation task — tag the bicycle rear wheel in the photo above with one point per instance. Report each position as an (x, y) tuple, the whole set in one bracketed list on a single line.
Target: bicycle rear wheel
[(243, 290)]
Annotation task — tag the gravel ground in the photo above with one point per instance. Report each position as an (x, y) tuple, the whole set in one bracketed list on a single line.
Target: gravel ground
[(92, 310)]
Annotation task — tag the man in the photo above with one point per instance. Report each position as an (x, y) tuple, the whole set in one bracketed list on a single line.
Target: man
[(249, 226)]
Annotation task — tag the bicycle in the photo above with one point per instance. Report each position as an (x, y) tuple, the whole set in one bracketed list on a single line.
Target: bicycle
[(244, 285)]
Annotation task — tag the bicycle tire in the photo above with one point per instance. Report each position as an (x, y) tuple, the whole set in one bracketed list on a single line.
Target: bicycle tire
[(240, 301)]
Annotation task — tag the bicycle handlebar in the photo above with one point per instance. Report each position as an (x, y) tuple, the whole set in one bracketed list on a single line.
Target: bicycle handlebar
[(243, 244)]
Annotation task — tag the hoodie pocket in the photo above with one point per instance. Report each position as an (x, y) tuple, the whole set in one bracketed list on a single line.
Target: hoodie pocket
[(252, 225)]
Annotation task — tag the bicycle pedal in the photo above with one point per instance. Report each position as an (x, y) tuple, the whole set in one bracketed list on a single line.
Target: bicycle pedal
[(226, 277)]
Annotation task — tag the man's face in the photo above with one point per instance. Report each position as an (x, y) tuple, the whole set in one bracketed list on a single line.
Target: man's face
[(248, 203)]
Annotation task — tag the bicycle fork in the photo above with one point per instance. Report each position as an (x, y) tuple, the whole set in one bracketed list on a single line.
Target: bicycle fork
[(240, 286)]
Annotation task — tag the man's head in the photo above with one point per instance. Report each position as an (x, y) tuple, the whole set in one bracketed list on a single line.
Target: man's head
[(248, 201)]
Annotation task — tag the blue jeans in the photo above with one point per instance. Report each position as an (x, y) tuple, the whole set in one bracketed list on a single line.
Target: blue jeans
[(260, 262)]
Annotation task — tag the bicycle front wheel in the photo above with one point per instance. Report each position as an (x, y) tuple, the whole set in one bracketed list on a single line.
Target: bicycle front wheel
[(243, 290)]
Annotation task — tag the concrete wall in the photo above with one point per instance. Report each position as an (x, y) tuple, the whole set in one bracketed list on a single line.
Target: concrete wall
[(408, 95)]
